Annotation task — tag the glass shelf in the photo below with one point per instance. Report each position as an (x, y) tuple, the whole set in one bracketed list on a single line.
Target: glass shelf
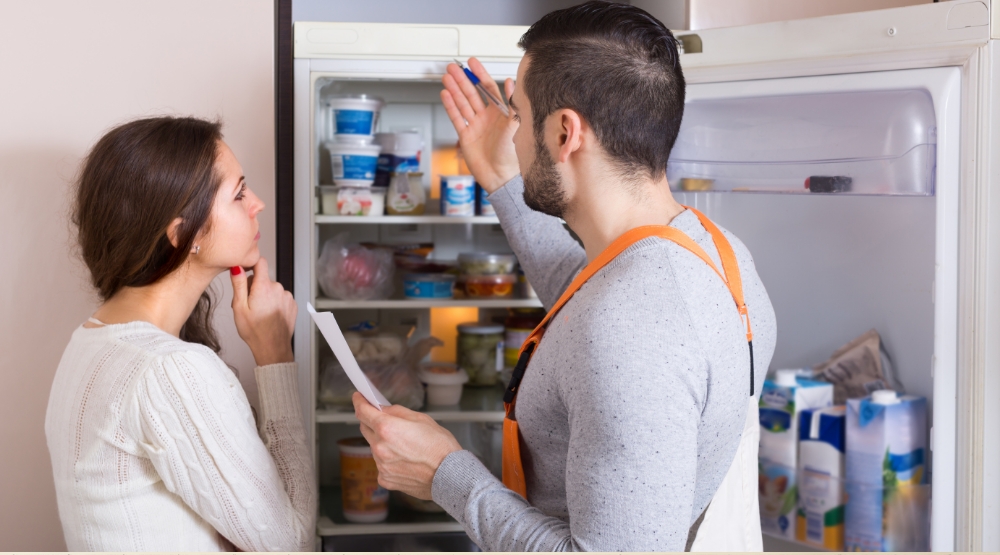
[(334, 304), (401, 520), (478, 404)]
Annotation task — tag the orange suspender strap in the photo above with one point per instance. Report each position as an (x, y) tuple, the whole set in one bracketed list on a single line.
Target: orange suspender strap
[(513, 470)]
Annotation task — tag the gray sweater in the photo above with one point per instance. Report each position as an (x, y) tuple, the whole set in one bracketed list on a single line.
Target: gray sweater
[(632, 407)]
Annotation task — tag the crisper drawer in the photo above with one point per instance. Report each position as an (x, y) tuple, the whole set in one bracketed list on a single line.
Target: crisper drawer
[(440, 541), (880, 142)]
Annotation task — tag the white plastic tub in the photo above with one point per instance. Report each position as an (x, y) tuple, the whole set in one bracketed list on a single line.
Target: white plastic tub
[(353, 164), (444, 382), (354, 117)]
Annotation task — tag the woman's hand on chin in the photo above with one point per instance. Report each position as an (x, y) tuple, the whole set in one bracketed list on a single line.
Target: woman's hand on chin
[(264, 313), (408, 446)]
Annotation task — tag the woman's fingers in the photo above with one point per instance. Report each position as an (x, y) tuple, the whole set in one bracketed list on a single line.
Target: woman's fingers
[(239, 277)]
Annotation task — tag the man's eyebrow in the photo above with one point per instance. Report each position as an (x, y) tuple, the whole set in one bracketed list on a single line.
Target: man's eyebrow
[(510, 102)]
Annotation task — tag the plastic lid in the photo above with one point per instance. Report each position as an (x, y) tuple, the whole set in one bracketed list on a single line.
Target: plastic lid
[(457, 376), (786, 378), (347, 146), (354, 446), (490, 257), (480, 329), (429, 277), (885, 397)]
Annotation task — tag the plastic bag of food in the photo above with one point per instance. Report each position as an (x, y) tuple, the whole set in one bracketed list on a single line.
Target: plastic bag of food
[(335, 388), (353, 272), (858, 368), (397, 379)]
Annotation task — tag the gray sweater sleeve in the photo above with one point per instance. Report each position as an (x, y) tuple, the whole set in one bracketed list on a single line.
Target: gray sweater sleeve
[(546, 251)]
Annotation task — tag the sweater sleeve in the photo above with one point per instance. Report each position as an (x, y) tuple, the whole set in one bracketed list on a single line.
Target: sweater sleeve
[(257, 489), (549, 255), (631, 460)]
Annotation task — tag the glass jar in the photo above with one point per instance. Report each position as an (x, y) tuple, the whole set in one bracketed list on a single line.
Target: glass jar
[(481, 352), (519, 324)]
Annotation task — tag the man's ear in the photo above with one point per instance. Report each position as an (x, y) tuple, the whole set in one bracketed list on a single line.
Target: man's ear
[(570, 129), (172, 231)]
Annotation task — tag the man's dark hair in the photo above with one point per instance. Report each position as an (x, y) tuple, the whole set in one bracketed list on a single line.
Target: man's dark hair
[(617, 66)]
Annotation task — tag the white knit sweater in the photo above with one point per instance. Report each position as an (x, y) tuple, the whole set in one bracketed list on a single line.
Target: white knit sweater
[(154, 447)]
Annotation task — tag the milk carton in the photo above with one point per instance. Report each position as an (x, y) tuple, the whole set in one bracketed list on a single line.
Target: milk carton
[(820, 518), (887, 499), (781, 400)]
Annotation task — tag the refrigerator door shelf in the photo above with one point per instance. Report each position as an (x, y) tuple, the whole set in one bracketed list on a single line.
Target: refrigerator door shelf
[(872, 141)]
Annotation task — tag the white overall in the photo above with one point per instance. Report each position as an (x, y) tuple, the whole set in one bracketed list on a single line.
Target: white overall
[(732, 520)]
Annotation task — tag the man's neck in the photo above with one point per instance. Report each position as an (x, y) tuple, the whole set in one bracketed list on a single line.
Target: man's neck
[(603, 210)]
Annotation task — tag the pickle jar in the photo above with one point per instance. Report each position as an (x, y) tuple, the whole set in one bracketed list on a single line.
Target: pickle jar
[(480, 352)]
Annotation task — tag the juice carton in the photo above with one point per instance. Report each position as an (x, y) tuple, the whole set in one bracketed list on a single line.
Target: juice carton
[(781, 400), (887, 497), (820, 518)]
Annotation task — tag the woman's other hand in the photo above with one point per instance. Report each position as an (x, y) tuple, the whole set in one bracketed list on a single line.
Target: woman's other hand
[(408, 446), (265, 315), (484, 133)]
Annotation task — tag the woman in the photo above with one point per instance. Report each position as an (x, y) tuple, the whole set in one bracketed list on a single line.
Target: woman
[(153, 443)]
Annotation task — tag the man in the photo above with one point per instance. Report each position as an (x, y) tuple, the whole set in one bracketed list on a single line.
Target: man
[(633, 408)]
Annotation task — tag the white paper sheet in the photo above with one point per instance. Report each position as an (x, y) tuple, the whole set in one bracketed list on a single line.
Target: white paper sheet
[(328, 326)]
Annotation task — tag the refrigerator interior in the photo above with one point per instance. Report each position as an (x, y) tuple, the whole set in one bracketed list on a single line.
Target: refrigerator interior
[(881, 255), (410, 105)]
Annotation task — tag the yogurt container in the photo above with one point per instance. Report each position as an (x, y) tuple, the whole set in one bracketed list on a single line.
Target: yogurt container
[(458, 195), (363, 499), (400, 154), (354, 117), (352, 201), (353, 164), (428, 286), (483, 205)]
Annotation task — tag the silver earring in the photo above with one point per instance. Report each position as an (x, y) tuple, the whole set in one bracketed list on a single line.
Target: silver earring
[(197, 248)]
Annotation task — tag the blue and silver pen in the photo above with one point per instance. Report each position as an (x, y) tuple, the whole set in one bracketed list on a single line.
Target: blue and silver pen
[(475, 81)]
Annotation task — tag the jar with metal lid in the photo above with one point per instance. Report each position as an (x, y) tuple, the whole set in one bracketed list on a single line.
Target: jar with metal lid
[(519, 324), (481, 352)]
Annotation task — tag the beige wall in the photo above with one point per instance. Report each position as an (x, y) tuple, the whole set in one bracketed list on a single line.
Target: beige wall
[(710, 14), (69, 70)]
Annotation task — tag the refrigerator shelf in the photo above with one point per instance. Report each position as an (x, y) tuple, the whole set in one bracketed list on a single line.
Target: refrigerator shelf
[(478, 404), (321, 219), (333, 304), (401, 520)]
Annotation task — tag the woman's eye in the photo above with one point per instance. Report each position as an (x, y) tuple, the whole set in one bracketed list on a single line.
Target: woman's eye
[(517, 118), (242, 193)]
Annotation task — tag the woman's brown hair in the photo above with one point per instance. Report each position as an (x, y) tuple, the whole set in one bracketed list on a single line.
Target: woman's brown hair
[(136, 180)]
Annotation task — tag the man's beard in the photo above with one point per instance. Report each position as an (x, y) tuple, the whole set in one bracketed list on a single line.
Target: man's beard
[(543, 189)]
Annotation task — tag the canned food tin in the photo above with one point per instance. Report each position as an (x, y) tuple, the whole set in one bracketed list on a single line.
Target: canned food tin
[(458, 195)]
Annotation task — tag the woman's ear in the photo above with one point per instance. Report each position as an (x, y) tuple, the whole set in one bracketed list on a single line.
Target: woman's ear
[(172, 231)]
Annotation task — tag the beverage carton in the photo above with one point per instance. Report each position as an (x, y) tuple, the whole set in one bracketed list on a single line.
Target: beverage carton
[(820, 518), (887, 496), (781, 400)]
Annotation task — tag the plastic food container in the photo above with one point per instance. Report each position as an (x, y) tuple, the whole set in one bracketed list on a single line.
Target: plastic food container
[(428, 286), (485, 264), (480, 352), (364, 500), (400, 154), (483, 205), (406, 194), (444, 382), (353, 164), (487, 287), (518, 326), (352, 201), (458, 195), (354, 117), (525, 289)]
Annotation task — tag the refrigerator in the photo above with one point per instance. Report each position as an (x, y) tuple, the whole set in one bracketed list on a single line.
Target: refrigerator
[(900, 100)]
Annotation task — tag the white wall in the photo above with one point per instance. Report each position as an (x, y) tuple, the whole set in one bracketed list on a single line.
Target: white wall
[(70, 70)]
